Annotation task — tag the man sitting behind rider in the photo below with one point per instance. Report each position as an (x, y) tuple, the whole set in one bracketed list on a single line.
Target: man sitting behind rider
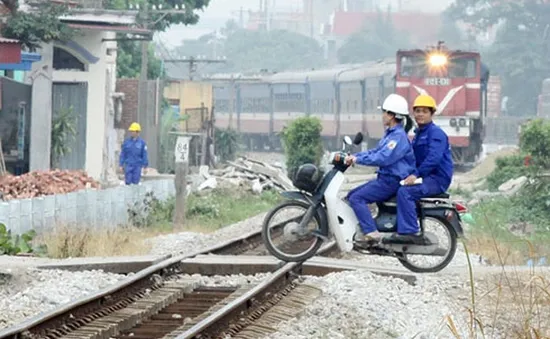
[(394, 156), (434, 165)]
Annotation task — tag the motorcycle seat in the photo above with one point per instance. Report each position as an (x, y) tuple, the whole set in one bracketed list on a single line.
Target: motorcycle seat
[(437, 196)]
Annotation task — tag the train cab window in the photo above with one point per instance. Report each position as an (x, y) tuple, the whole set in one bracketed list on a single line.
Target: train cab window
[(413, 66), (463, 67)]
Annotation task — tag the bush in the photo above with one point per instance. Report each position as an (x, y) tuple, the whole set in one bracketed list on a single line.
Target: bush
[(12, 245), (151, 211), (507, 168), (535, 141), (226, 144), (532, 203), (302, 143)]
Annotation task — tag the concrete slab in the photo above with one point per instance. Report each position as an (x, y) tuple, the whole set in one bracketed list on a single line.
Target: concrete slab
[(120, 265), (246, 264)]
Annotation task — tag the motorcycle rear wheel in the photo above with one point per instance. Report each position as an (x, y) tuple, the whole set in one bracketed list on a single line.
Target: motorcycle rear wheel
[(321, 227), (448, 257)]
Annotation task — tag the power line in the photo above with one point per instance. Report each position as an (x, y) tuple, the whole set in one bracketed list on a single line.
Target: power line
[(193, 61)]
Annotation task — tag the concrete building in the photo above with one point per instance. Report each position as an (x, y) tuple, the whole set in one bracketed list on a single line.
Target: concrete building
[(80, 75)]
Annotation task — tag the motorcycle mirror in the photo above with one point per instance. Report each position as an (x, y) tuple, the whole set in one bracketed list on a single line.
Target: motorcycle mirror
[(358, 138), (347, 140)]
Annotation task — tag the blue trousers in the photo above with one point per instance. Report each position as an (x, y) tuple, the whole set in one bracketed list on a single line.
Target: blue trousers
[(132, 174), (407, 196), (378, 190)]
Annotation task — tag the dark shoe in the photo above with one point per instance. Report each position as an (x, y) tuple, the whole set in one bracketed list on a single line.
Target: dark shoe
[(406, 239)]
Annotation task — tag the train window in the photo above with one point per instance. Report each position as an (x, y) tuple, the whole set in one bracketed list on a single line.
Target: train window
[(255, 105), (463, 67), (321, 106), (289, 102), (221, 105), (413, 66)]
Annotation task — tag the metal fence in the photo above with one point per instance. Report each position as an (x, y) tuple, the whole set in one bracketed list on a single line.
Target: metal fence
[(92, 208)]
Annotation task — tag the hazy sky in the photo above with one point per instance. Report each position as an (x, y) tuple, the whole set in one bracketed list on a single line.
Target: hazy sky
[(219, 11)]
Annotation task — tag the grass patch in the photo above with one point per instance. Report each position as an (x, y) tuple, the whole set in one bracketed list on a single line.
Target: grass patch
[(67, 241), (514, 303), (492, 235), (223, 207), (206, 212)]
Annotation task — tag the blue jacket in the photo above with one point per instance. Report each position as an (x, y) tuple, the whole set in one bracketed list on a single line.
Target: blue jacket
[(134, 153), (394, 154), (433, 154)]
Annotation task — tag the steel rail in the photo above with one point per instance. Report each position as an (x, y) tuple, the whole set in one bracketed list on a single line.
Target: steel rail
[(173, 260), (281, 276)]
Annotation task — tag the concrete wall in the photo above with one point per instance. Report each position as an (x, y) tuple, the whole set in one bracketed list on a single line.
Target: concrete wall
[(92, 208)]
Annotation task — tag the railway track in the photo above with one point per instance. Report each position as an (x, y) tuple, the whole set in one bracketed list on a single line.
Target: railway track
[(161, 302)]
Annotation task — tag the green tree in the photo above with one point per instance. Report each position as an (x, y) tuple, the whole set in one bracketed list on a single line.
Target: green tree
[(42, 24), (302, 143), (276, 50), (162, 21), (129, 60), (449, 32), (519, 52), (129, 53), (374, 41)]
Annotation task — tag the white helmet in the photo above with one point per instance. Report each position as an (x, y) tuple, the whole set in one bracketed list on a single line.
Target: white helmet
[(396, 104)]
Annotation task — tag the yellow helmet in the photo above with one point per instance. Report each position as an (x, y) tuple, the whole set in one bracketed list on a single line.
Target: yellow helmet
[(135, 127), (424, 100)]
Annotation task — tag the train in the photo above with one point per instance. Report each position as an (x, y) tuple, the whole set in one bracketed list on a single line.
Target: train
[(346, 98)]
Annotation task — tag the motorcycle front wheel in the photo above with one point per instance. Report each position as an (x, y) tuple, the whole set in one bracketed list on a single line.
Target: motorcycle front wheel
[(284, 236)]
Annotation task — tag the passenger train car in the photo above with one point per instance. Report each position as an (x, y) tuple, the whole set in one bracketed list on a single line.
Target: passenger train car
[(346, 99)]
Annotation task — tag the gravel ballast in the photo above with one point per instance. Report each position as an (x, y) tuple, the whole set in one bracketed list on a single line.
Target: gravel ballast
[(359, 304), (189, 242), (27, 293)]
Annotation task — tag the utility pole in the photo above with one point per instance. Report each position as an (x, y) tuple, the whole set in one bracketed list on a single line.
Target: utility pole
[(150, 17), (193, 61), (142, 85)]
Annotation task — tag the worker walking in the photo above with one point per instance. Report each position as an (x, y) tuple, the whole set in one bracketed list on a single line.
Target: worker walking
[(133, 156)]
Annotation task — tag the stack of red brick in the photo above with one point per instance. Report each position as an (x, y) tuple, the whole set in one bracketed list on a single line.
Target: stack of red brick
[(40, 183)]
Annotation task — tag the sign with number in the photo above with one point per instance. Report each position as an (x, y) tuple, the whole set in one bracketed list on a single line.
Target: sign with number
[(182, 149), (437, 81)]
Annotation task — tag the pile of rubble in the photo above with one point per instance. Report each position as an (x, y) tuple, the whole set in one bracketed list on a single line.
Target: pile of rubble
[(40, 183), (250, 174)]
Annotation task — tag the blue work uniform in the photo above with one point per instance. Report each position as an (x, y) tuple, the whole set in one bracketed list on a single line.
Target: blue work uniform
[(434, 164), (133, 158), (395, 158)]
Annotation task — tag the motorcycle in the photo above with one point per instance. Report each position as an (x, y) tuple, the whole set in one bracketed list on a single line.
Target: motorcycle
[(331, 216)]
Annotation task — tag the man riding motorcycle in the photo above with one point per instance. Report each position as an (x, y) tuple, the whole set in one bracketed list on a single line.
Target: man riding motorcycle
[(394, 157), (434, 165)]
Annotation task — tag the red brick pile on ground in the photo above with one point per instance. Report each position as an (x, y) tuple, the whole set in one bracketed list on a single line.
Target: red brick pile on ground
[(40, 183)]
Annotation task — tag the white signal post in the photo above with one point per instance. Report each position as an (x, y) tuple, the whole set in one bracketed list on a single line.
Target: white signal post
[(181, 157)]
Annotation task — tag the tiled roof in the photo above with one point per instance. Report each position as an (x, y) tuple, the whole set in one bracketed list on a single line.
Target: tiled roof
[(8, 41)]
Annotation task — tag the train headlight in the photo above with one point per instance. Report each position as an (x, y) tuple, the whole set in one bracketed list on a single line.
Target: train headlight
[(462, 122), (437, 60)]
